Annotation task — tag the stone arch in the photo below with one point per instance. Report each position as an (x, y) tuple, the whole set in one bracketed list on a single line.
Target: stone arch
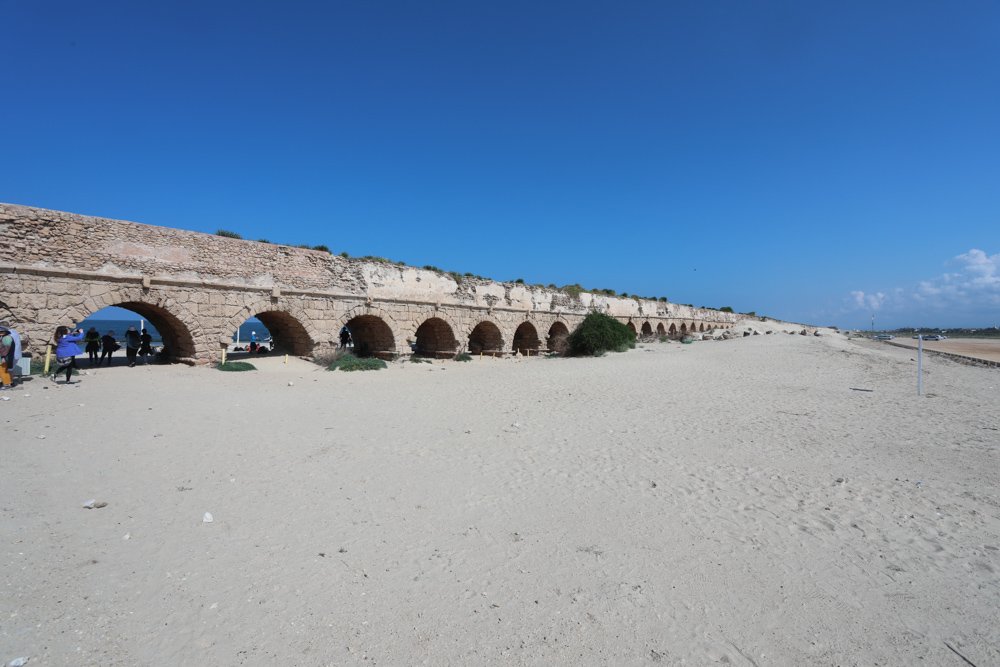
[(672, 331), (684, 328), (290, 327), (632, 327), (371, 336), (435, 337), (485, 338), (177, 325), (660, 330), (647, 328), (702, 328), (526, 338), (558, 338)]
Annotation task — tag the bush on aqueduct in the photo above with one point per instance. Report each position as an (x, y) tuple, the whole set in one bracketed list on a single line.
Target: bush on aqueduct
[(600, 333)]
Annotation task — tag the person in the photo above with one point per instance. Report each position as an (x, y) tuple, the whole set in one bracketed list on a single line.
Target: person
[(93, 341), (132, 343), (66, 351), (145, 346), (345, 337), (13, 355), (108, 347), (6, 347)]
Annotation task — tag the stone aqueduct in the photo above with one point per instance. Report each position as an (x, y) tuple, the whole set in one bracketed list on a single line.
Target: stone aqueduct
[(196, 289)]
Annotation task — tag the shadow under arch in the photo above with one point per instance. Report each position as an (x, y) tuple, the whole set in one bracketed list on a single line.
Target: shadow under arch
[(672, 331), (435, 338), (558, 338), (526, 338), (178, 343), (289, 336), (660, 330), (647, 329), (486, 339), (632, 328), (372, 336)]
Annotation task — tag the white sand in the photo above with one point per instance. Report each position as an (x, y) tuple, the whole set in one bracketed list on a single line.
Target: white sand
[(731, 501)]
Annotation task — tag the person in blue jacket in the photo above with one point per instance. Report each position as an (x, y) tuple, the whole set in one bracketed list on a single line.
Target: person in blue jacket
[(66, 351)]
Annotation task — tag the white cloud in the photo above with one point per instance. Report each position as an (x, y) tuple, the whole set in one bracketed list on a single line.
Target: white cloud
[(968, 293), (868, 301)]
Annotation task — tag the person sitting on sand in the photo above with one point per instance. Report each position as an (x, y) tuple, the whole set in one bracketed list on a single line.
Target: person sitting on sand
[(66, 351)]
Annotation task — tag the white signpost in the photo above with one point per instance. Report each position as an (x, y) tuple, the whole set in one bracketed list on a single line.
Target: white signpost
[(920, 364)]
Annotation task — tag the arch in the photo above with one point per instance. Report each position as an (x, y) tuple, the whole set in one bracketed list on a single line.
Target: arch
[(290, 329), (702, 327), (632, 327), (558, 338), (435, 338), (486, 338), (171, 319), (684, 328), (526, 339), (660, 330), (647, 329), (372, 336), (672, 331)]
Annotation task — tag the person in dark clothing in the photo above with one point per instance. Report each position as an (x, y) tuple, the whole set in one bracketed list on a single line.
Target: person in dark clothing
[(145, 346), (93, 341), (345, 337), (108, 347), (132, 343)]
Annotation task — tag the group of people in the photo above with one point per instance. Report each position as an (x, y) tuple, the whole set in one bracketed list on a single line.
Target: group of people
[(67, 348), (10, 354), (136, 345)]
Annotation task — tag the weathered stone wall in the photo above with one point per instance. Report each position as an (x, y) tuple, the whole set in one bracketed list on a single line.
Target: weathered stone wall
[(58, 268)]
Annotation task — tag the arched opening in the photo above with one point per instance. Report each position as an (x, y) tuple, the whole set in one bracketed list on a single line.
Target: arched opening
[(647, 329), (169, 338), (631, 328), (660, 330), (702, 327), (370, 336), (435, 339), (272, 331), (526, 339), (672, 331), (486, 339), (684, 328), (558, 338)]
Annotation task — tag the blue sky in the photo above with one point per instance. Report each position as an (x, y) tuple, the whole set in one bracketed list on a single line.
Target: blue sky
[(811, 161)]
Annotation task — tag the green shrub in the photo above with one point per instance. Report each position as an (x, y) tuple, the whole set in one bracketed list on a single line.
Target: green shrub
[(228, 234), (574, 291), (663, 339), (726, 309), (519, 281), (321, 248), (419, 360), (599, 333), (236, 366), (344, 254), (349, 362), (463, 356), (262, 241)]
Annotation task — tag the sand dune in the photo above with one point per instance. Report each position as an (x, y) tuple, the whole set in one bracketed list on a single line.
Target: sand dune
[(728, 501)]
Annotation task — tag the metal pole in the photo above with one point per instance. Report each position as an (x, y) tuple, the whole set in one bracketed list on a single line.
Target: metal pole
[(920, 364)]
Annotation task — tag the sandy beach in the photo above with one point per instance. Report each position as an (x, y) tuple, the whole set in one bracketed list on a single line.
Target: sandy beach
[(769, 500), (980, 348)]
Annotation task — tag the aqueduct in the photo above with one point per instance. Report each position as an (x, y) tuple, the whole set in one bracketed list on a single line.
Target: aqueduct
[(196, 289)]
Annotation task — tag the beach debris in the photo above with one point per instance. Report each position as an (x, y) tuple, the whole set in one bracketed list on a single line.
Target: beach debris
[(955, 651), (41, 437), (19, 662), (94, 504), (208, 518), (859, 389), (184, 488), (5, 398), (291, 384), (127, 536)]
